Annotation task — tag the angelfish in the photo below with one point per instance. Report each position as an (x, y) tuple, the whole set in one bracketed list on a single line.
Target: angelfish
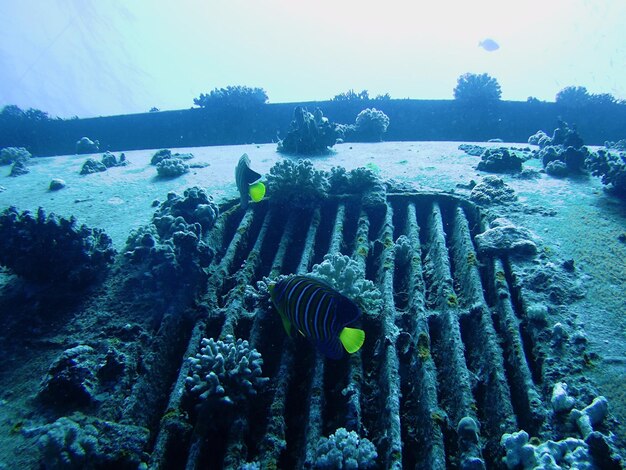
[(245, 178), (320, 313)]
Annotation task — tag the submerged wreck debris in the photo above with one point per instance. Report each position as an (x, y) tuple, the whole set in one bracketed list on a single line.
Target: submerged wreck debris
[(54, 249)]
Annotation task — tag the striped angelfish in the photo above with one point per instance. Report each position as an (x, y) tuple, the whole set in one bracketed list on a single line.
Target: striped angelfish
[(319, 313)]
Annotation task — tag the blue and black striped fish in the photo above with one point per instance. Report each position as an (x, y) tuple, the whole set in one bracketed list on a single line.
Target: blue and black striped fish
[(320, 313)]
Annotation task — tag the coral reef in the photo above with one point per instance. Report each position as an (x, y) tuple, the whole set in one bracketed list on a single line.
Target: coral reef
[(170, 251), (52, 249), (172, 167), (86, 145), (492, 190), (499, 160), (475, 88), (343, 274), (228, 371), (9, 155), (309, 133), (297, 184), (370, 125), (611, 168), (82, 442), (233, 97), (564, 146), (345, 450)]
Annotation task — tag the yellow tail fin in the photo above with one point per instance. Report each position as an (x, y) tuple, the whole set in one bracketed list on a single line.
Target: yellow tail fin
[(257, 191), (352, 339)]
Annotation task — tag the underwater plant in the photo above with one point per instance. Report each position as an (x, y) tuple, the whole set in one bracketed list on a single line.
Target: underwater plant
[(48, 248), (297, 184), (228, 370), (475, 88), (309, 133), (234, 97)]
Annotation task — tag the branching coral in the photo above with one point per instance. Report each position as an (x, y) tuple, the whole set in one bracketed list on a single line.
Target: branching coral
[(53, 249), (309, 133), (345, 449), (228, 370), (297, 184), (343, 274)]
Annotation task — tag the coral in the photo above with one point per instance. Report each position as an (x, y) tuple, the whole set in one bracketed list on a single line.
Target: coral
[(170, 250), (19, 168), (109, 160), (560, 400), (469, 444), (504, 238), (540, 138), (345, 449), (473, 150), (352, 95), (56, 184), (164, 154), (474, 88), (567, 136), (499, 160), (92, 166), (297, 184), (309, 133), (53, 249), (228, 370), (567, 453), (361, 181), (171, 168), (343, 274), (370, 125), (492, 190), (557, 168), (620, 145), (233, 97), (82, 442), (86, 145), (9, 155), (611, 168), (590, 416), (70, 380)]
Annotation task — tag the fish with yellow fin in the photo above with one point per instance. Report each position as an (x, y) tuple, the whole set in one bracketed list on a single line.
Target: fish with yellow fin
[(247, 184), (320, 313)]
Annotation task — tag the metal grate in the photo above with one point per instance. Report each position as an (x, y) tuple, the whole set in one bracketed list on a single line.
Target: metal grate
[(450, 342)]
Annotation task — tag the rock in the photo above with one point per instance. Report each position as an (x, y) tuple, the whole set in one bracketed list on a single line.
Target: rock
[(56, 184), (19, 168), (92, 166), (506, 240)]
